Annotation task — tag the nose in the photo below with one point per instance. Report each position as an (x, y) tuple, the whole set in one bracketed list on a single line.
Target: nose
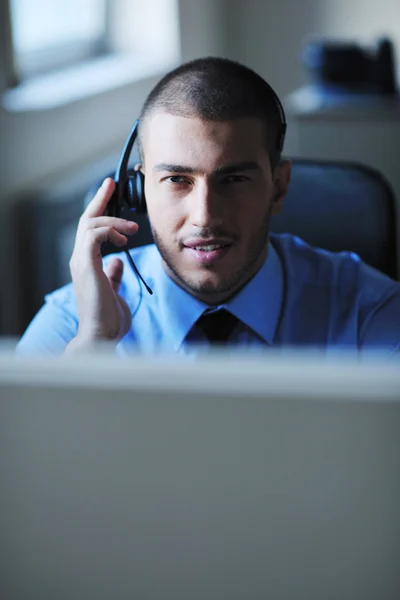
[(206, 207)]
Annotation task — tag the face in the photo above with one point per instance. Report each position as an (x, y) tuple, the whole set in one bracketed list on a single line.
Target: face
[(210, 195)]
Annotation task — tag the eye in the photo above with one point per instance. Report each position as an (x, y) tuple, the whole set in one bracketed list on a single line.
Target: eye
[(235, 179), (177, 179)]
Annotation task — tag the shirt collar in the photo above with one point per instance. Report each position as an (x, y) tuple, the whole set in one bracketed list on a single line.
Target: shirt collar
[(257, 305)]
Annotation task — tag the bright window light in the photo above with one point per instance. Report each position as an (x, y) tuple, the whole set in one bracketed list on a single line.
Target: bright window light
[(43, 23), (51, 32), (68, 49)]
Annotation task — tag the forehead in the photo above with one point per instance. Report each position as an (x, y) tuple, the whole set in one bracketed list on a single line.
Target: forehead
[(172, 138)]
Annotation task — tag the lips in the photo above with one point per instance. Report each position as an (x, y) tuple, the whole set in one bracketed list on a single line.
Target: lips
[(207, 251)]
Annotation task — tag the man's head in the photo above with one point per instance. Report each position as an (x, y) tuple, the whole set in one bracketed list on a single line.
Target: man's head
[(209, 136)]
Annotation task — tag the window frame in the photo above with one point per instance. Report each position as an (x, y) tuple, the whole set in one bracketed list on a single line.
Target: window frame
[(8, 77)]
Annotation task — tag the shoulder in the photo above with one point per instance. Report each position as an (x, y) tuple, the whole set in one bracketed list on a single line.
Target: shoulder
[(56, 323), (309, 264), (342, 272), (360, 303)]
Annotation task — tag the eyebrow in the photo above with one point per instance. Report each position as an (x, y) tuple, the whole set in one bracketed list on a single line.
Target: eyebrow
[(223, 170)]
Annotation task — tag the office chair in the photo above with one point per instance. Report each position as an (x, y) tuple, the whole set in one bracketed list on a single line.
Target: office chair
[(342, 206), (332, 205)]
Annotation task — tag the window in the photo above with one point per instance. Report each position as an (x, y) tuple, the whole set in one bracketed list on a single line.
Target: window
[(49, 34), (54, 52)]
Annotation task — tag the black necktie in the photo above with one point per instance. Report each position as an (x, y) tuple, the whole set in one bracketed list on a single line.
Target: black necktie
[(217, 326)]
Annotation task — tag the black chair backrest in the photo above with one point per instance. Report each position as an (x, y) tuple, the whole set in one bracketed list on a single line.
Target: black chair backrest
[(342, 206), (333, 205)]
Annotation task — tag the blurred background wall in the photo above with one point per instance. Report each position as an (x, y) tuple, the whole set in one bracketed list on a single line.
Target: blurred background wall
[(57, 137)]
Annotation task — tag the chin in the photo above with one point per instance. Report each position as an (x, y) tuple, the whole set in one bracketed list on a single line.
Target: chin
[(221, 279), (209, 285)]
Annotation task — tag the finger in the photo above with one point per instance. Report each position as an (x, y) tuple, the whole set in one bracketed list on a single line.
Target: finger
[(95, 237), (128, 227), (97, 206), (114, 271)]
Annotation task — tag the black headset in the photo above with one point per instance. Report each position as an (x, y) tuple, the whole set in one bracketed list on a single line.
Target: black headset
[(129, 188), (129, 191)]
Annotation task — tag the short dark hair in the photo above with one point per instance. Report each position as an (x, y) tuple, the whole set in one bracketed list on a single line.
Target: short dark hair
[(219, 89)]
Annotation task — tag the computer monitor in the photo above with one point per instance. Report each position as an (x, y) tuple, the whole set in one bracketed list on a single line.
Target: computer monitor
[(273, 476)]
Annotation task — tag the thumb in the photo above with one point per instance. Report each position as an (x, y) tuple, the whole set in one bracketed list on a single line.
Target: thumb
[(114, 271)]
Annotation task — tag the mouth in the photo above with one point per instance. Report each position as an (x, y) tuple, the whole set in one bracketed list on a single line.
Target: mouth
[(207, 251)]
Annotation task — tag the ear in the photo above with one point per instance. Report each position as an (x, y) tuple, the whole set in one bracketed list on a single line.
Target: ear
[(138, 167), (281, 177)]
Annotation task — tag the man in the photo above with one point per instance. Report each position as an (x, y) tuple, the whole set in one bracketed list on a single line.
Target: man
[(209, 136)]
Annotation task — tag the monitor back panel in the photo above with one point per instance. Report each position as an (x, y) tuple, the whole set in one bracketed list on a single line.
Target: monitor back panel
[(145, 494)]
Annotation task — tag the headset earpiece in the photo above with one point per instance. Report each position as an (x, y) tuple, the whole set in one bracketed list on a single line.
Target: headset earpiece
[(130, 188), (134, 194)]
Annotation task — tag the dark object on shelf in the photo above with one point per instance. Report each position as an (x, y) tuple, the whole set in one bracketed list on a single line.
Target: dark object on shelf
[(350, 68)]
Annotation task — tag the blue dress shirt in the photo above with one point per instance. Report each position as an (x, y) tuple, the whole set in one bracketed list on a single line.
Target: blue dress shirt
[(300, 296)]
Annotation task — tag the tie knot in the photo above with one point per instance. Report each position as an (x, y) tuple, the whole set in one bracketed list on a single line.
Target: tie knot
[(217, 326)]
